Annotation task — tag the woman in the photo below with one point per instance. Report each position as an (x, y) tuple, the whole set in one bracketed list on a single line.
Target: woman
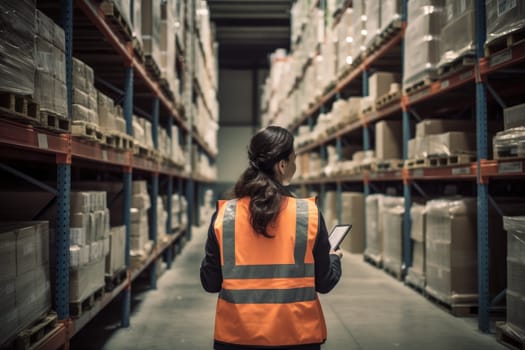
[(267, 254)]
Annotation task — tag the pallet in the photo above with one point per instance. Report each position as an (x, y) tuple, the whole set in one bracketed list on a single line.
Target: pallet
[(116, 20), (466, 60), (510, 336), (137, 48), (152, 66), (37, 331), (417, 85), (77, 308), (87, 131), (415, 281), (54, 121), (112, 281), (464, 306), (450, 160), (123, 141), (389, 165), (505, 42), (20, 108), (416, 163), (369, 109), (373, 260), (397, 273), (388, 99), (380, 39), (510, 152), (166, 88)]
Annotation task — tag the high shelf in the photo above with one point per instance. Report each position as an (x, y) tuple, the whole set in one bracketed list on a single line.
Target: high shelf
[(476, 89), (96, 34)]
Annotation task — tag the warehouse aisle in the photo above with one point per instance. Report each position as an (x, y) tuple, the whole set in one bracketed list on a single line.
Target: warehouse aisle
[(367, 310)]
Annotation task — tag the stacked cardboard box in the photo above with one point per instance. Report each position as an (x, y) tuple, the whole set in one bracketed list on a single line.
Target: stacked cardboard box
[(17, 51), (50, 61), (85, 101), (162, 217), (150, 29), (389, 139), (515, 227), (25, 292), (111, 120), (416, 272), (422, 40), (459, 33), (503, 17), (116, 259), (392, 211), (178, 207), (89, 243), (374, 228), (352, 212), (451, 246), (167, 45), (140, 204), (511, 141)]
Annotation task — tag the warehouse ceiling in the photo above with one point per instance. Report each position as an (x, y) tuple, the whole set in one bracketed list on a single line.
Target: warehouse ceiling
[(247, 31)]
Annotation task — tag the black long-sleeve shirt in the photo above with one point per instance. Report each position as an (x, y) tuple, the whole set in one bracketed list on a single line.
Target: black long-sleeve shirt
[(327, 271)]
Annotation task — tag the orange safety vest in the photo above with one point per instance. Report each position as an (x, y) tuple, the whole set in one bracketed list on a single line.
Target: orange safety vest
[(268, 295)]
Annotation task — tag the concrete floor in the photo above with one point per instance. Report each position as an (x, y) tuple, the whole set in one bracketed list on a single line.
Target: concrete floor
[(367, 310)]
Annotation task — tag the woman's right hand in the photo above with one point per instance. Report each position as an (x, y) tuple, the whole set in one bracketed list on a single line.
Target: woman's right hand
[(337, 252)]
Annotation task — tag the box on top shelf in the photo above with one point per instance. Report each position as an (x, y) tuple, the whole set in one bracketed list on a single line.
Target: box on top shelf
[(137, 22), (373, 21), (503, 18), (17, 46), (458, 36), (422, 40), (150, 28), (358, 29), (390, 11)]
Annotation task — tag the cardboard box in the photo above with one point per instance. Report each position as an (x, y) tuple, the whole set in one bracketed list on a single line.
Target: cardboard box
[(25, 249), (514, 116), (454, 142), (440, 126), (352, 211), (379, 83), (84, 281), (115, 260), (393, 238), (418, 258), (389, 139)]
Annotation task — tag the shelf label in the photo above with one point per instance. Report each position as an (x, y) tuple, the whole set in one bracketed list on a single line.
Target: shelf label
[(504, 56), (445, 84), (510, 167), (461, 171), (418, 172), (42, 141), (104, 155)]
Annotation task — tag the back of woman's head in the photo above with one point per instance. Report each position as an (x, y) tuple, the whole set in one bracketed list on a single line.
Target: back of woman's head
[(259, 181)]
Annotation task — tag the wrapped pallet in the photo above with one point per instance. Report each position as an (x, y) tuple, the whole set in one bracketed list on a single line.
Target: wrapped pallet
[(374, 228), (50, 62), (509, 143), (515, 227), (150, 29), (416, 273), (352, 212), (392, 211), (390, 12), (422, 40), (451, 250), (17, 46), (24, 275), (503, 18), (459, 32), (344, 41), (358, 29), (373, 22)]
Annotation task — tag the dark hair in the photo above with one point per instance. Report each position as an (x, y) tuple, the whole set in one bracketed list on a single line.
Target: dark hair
[(267, 147)]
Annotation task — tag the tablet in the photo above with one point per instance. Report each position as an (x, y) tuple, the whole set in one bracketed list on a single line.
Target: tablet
[(337, 235)]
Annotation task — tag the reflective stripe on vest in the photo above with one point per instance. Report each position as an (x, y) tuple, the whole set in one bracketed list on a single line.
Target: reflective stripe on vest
[(298, 269)]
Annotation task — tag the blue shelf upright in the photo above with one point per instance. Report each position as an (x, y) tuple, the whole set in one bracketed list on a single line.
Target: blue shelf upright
[(482, 187)]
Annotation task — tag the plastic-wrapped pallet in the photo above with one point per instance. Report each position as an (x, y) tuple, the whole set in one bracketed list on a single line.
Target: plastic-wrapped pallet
[(140, 204), (503, 18), (374, 228), (116, 259), (509, 143), (344, 41), (514, 116), (17, 51), (390, 12), (85, 102), (137, 22), (422, 40), (459, 33), (25, 288), (352, 212), (358, 29), (451, 246), (373, 19), (391, 213), (416, 272), (167, 44), (50, 62), (450, 143), (515, 227)]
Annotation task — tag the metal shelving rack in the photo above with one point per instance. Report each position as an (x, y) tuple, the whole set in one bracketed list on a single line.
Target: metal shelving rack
[(68, 151), (479, 172)]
